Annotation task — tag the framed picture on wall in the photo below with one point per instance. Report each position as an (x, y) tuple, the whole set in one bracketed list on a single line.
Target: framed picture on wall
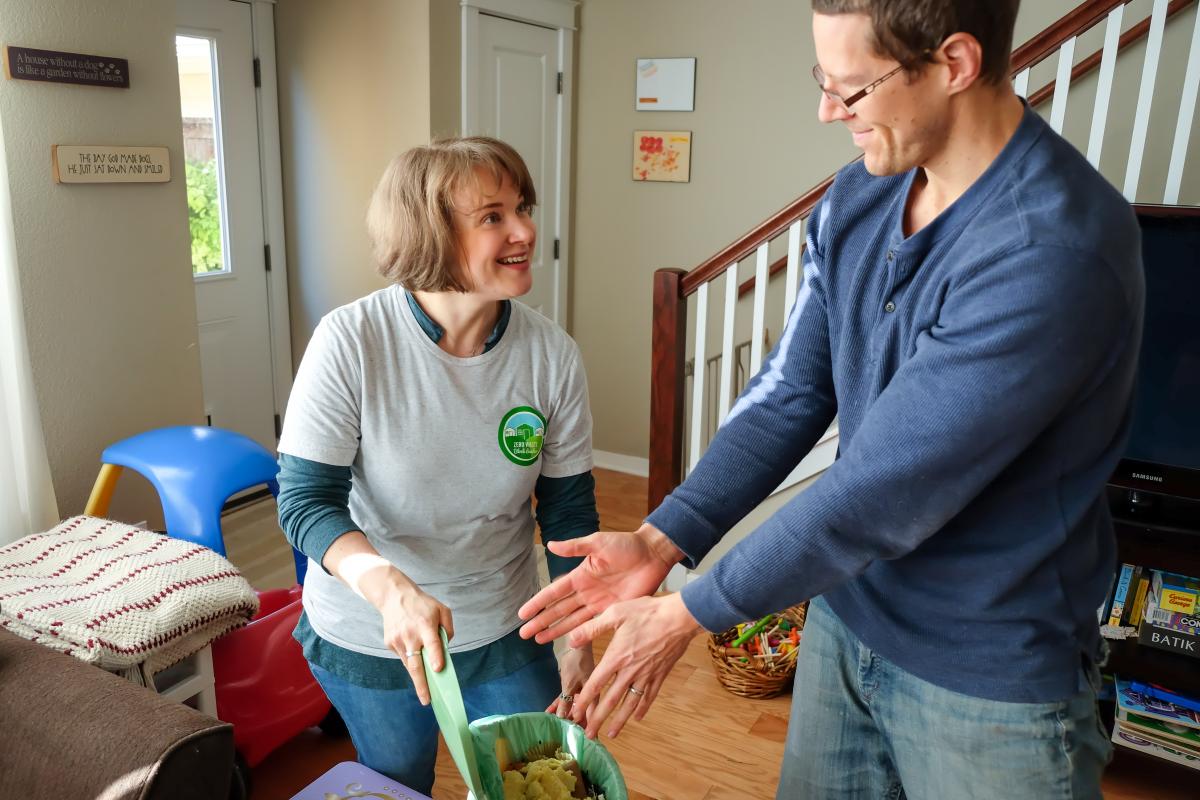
[(665, 84), (662, 156)]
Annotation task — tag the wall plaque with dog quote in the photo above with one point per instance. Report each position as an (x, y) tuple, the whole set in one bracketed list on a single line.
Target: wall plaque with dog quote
[(93, 163), (56, 66)]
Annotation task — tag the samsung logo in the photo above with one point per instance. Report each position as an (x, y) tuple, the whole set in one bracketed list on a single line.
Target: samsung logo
[(1145, 477)]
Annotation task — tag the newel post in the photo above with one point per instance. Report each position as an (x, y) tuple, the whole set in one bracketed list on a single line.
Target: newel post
[(668, 340)]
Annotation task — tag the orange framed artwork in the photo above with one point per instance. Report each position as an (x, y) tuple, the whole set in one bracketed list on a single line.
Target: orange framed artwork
[(662, 156)]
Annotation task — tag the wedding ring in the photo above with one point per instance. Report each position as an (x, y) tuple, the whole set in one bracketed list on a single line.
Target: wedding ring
[(567, 698), (411, 653), (636, 691)]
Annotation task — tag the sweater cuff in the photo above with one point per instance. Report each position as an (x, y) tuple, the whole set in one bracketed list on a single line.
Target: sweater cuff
[(691, 534), (705, 603)]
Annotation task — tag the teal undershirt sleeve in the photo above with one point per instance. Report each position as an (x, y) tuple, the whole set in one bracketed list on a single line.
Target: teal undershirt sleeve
[(313, 504), (566, 509)]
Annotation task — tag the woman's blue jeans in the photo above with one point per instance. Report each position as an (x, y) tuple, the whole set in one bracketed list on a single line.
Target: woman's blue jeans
[(862, 727), (396, 735)]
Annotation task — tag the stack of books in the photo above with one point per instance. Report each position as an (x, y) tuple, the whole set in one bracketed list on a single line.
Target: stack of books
[(1159, 722), (1161, 609)]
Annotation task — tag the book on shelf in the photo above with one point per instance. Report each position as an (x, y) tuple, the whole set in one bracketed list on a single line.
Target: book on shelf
[(1148, 723), (1124, 577)]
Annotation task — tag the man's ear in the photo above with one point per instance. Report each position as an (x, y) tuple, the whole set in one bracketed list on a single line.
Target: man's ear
[(962, 55)]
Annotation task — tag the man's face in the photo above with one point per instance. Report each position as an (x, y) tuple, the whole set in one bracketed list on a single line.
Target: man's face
[(901, 122)]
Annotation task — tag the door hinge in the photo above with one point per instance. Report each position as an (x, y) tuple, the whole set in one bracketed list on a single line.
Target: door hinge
[(560, 79), (278, 427), (257, 73), (267, 257), (556, 249)]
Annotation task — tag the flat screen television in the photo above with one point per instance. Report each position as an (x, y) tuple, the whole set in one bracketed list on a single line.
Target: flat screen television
[(1163, 454)]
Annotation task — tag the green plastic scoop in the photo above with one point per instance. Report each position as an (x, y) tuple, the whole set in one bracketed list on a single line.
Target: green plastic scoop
[(451, 714)]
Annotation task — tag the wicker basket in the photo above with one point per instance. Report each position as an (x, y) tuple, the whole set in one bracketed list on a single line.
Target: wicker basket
[(752, 679)]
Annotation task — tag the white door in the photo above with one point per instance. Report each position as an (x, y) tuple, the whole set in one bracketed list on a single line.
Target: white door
[(518, 102), (214, 43)]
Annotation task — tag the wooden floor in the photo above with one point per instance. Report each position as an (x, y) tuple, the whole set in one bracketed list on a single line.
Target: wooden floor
[(697, 743)]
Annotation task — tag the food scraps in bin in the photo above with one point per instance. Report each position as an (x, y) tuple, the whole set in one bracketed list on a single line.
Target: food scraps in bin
[(548, 773)]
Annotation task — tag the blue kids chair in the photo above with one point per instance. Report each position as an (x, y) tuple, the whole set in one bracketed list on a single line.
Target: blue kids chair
[(195, 471)]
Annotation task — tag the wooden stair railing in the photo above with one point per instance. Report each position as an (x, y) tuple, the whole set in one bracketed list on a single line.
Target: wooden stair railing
[(674, 287)]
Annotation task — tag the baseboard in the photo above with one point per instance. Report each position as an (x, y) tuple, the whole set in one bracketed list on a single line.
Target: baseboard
[(619, 462)]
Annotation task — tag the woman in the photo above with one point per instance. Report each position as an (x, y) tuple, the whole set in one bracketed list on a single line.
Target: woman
[(422, 419)]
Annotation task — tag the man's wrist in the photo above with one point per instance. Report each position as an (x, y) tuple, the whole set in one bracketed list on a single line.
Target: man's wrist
[(660, 544), (686, 623)]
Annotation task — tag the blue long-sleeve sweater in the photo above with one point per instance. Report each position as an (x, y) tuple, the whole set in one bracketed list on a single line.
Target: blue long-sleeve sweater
[(981, 371)]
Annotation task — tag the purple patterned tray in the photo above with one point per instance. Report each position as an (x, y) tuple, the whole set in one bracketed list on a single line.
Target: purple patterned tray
[(350, 779)]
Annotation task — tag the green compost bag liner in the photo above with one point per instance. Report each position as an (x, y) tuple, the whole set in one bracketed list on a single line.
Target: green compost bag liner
[(526, 730), (473, 745)]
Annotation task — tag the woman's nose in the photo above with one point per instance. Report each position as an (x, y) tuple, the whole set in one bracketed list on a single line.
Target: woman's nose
[(525, 230)]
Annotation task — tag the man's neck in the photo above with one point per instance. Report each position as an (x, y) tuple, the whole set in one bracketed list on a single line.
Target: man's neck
[(983, 123)]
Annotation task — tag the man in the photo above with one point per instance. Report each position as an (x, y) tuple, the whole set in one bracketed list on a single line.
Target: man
[(971, 311)]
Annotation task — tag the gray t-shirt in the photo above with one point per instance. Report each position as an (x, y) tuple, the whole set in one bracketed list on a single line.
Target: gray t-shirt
[(444, 454)]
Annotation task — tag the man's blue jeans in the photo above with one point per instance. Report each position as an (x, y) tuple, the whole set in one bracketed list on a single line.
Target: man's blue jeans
[(861, 727), (396, 735)]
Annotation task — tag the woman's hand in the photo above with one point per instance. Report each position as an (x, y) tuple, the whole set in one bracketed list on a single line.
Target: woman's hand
[(411, 617), (575, 666)]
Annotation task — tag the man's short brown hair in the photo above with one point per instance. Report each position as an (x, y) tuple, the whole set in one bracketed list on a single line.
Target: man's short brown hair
[(907, 30), (411, 216)]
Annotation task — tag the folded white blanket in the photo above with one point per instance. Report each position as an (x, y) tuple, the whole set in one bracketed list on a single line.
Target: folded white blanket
[(118, 596)]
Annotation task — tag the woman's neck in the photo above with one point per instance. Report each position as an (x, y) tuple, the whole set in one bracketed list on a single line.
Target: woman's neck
[(466, 320)]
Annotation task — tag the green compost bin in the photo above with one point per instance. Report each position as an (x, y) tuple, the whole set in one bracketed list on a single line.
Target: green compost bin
[(473, 744)]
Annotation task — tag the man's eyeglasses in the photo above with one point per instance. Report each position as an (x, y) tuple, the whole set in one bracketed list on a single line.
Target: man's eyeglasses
[(845, 102)]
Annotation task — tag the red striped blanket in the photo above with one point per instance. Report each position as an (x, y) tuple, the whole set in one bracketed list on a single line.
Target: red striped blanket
[(118, 596)]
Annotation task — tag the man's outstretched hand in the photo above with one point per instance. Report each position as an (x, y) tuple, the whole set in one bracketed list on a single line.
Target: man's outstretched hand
[(616, 566)]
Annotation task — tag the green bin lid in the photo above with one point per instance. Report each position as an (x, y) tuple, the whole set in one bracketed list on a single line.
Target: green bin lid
[(451, 717)]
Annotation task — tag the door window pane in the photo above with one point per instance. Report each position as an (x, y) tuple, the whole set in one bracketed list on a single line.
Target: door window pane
[(201, 153)]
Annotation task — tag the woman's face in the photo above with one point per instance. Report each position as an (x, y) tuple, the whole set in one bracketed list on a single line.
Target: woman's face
[(496, 235)]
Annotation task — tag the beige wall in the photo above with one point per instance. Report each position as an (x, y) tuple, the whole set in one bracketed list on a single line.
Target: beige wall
[(105, 270), (445, 68), (354, 90)]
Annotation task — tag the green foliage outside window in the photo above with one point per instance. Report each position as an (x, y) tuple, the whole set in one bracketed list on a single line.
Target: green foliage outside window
[(204, 216)]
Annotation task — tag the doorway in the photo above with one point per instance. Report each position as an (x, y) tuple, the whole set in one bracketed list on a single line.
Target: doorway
[(516, 87), (231, 258)]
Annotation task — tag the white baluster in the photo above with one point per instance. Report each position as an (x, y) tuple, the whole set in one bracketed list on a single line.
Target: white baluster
[(1108, 65), (1021, 83), (1141, 120), (1062, 84), (698, 376), (795, 237), (760, 308), (1183, 127), (731, 294)]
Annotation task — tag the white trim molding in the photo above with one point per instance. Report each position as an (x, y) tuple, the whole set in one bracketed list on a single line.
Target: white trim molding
[(619, 462), (271, 169), (549, 13)]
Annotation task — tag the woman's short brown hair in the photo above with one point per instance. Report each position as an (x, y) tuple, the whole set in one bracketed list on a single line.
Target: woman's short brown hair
[(411, 216), (908, 30)]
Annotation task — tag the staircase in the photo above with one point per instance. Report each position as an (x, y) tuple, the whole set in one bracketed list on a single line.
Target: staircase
[(1109, 51)]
